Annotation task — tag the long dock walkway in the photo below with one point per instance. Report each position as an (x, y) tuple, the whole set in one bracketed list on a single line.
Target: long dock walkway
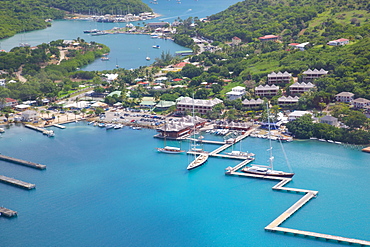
[(22, 162), (17, 182), (59, 126), (7, 212), (309, 194)]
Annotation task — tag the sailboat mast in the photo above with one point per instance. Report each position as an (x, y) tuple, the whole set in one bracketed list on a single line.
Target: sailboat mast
[(271, 159)]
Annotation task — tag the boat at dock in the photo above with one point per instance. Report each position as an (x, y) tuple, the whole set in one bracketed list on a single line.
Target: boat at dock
[(104, 58), (92, 31), (170, 150), (241, 154), (267, 170)]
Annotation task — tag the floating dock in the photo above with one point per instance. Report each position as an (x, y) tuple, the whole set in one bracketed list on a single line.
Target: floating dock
[(7, 212), (17, 183), (22, 162), (308, 195)]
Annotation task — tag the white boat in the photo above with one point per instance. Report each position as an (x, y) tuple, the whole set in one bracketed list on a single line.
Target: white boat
[(109, 126), (331, 141), (201, 158), (105, 58), (49, 133), (2, 130), (241, 154), (267, 170), (313, 138), (322, 140), (170, 150), (147, 58), (338, 143), (156, 46)]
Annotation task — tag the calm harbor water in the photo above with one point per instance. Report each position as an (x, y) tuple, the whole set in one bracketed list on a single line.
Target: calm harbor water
[(127, 51), (111, 188)]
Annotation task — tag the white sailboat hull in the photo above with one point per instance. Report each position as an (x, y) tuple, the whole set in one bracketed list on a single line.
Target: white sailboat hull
[(200, 160)]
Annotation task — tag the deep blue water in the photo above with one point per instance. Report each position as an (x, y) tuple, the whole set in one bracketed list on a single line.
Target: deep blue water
[(127, 51), (111, 188)]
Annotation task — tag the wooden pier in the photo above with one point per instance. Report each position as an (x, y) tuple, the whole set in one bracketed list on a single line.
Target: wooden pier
[(39, 129), (7, 212), (17, 182), (308, 195), (22, 162)]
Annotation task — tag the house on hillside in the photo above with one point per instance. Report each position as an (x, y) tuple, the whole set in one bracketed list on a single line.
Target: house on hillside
[(279, 78), (8, 102), (235, 41), (346, 97), (310, 75), (299, 88), (297, 114), (200, 105), (288, 100), (361, 103), (266, 91), (252, 103), (236, 93), (338, 42)]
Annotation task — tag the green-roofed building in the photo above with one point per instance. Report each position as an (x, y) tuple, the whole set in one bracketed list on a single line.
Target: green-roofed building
[(117, 93), (164, 105)]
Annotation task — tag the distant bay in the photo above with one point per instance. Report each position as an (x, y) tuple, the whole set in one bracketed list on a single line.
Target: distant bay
[(127, 50)]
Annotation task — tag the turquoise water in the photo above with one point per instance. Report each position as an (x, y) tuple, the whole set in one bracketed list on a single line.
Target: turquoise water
[(111, 188), (127, 51)]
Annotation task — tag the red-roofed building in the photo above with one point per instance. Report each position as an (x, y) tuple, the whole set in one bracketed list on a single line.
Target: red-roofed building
[(269, 38), (9, 102), (338, 42), (235, 41), (177, 79)]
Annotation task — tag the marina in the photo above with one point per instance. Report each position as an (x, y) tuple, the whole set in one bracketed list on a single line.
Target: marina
[(22, 162), (17, 182)]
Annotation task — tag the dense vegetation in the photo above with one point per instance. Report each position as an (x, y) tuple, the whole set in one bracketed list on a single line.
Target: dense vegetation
[(289, 19), (25, 15), (99, 7)]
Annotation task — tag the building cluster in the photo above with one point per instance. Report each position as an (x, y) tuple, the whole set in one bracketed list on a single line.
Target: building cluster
[(359, 103)]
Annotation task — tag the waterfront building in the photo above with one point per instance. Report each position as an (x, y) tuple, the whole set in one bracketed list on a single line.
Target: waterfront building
[(310, 75), (29, 115), (338, 42), (330, 120), (236, 93), (183, 127), (279, 78), (154, 25), (164, 105), (297, 114), (361, 103), (8, 102), (269, 38), (299, 88), (266, 91), (288, 100), (346, 97), (200, 105), (252, 103)]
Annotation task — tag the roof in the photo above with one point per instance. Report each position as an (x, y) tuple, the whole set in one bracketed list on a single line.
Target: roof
[(328, 118), (299, 113), (273, 74), (347, 94), (236, 38), (361, 100), (198, 102), (269, 37), (293, 44), (288, 99), (118, 93), (252, 101), (266, 87), (302, 85), (182, 64), (315, 72), (10, 100), (177, 79), (165, 104)]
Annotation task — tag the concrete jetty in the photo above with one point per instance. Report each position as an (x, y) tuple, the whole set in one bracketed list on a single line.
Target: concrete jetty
[(274, 226), (59, 126), (22, 162), (17, 182), (7, 212)]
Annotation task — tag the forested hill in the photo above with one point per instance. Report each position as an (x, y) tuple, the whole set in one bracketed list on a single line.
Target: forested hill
[(27, 15), (290, 19), (100, 7)]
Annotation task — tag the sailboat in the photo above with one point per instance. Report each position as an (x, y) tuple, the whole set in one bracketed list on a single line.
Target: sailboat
[(267, 170), (203, 157), (169, 149)]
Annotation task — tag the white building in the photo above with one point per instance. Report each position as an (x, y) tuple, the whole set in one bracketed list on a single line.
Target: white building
[(288, 100), (297, 114), (266, 91), (200, 105), (252, 103), (330, 120), (2, 82), (361, 103), (299, 88), (346, 97), (279, 78), (338, 42), (311, 75), (110, 77), (236, 93)]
